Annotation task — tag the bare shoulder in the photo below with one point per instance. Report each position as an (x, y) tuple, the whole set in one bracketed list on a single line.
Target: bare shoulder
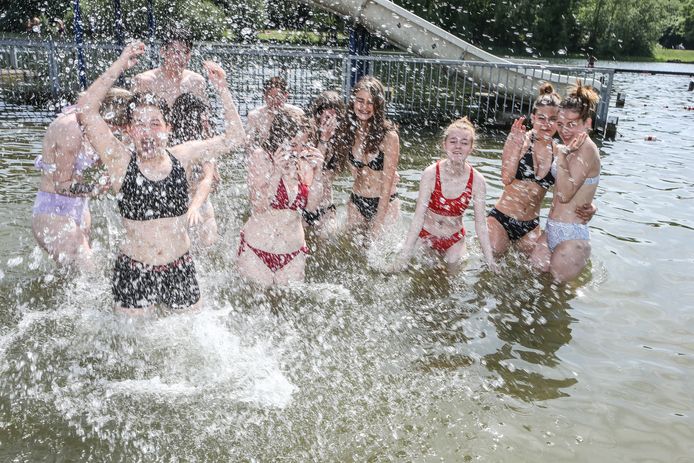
[(391, 137), (294, 109), (146, 77), (64, 131), (192, 75)]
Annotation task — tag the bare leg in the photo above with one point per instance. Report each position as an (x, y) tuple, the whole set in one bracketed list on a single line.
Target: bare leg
[(498, 237), (541, 255), (569, 259), (63, 240), (454, 255), (253, 269), (293, 271), (528, 242)]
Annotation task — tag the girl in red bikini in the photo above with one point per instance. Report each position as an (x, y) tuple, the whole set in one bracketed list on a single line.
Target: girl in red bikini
[(272, 248), (445, 191)]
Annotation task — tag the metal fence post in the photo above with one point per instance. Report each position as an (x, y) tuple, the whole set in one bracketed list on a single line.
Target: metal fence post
[(53, 75), (347, 77)]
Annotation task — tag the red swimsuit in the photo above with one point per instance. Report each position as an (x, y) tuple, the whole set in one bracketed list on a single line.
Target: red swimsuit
[(439, 204), (274, 261)]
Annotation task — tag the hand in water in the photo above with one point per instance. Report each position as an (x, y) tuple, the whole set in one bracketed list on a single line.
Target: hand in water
[(585, 212), (494, 267), (131, 53), (217, 75)]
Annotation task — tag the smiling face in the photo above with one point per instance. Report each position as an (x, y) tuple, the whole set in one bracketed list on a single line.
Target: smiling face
[(148, 130), (544, 120), (363, 105), (458, 144), (570, 125)]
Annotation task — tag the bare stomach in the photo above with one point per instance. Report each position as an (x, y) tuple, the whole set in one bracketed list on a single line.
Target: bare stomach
[(368, 183), (157, 241), (276, 231), (521, 200), (441, 225)]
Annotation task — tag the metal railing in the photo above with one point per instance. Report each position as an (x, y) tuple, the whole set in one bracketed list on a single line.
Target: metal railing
[(415, 88)]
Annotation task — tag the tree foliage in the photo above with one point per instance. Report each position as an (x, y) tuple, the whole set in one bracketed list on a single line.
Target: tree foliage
[(532, 27)]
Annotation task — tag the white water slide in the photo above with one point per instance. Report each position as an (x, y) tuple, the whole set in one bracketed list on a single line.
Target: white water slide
[(416, 35)]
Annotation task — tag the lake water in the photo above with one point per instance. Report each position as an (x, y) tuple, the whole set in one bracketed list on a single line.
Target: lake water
[(358, 365)]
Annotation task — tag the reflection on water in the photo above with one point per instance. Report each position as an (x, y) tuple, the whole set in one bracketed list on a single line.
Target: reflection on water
[(358, 364)]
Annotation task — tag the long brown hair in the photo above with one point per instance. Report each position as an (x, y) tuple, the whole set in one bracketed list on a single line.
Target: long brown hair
[(285, 125), (336, 158), (379, 125)]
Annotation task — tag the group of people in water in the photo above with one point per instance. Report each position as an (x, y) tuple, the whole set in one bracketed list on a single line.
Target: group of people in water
[(155, 148)]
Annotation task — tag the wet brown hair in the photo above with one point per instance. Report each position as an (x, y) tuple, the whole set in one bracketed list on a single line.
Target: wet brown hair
[(275, 82), (114, 107), (547, 97), (285, 126), (336, 158), (581, 99), (187, 119), (378, 125)]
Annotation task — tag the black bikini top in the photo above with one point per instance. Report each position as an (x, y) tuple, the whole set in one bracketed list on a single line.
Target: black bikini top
[(143, 199), (375, 164), (526, 168)]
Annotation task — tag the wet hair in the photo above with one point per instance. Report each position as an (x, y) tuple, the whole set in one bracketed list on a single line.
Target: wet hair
[(177, 34), (275, 82), (335, 153), (547, 97), (142, 100), (327, 100), (581, 99), (285, 126), (114, 107), (460, 124), (378, 125), (187, 119)]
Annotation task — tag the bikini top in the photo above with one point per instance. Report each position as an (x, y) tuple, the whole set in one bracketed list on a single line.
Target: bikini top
[(451, 207), (375, 164), (143, 199), (588, 181), (526, 169), (281, 199)]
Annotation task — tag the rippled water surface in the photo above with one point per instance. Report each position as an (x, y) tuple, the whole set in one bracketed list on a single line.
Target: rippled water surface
[(359, 365)]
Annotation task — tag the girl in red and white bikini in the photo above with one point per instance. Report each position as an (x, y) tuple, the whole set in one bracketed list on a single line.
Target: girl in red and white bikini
[(445, 191), (272, 248)]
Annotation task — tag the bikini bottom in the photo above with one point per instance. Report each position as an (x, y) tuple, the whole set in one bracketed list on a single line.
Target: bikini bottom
[(314, 218), (439, 243), (273, 261), (368, 206), (558, 232), (136, 285), (73, 207), (515, 229)]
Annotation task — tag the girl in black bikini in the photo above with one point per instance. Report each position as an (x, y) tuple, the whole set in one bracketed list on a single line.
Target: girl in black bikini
[(373, 148), (155, 268), (525, 172)]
